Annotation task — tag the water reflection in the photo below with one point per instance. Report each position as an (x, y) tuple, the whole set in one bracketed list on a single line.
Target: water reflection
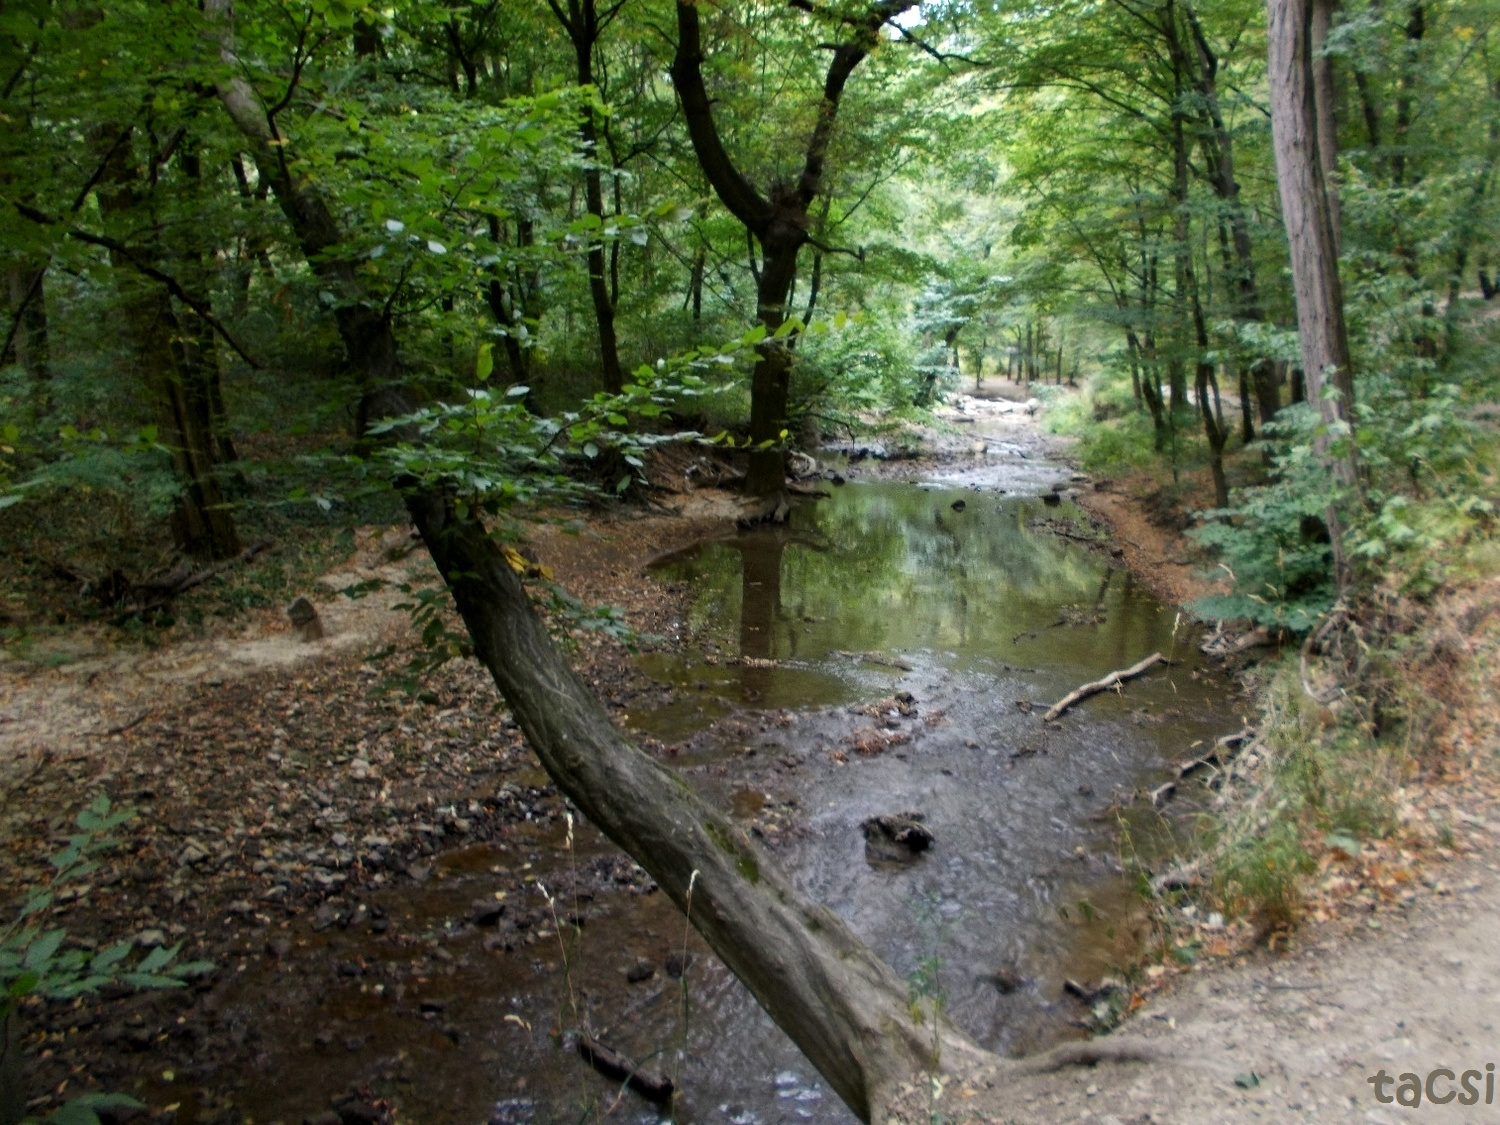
[(827, 610)]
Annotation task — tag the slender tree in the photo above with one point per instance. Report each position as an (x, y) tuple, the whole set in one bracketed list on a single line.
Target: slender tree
[(1311, 236)]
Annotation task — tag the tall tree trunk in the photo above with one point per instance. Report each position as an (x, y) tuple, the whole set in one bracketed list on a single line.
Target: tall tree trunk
[(178, 373), (1468, 222), (182, 403), (1239, 265), (30, 344), (779, 221), (1133, 352), (511, 294), (1313, 247), (695, 284), (581, 22), (1406, 81), (1324, 103)]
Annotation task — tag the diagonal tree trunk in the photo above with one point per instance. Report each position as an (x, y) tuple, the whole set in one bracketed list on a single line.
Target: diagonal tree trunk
[(848, 1011)]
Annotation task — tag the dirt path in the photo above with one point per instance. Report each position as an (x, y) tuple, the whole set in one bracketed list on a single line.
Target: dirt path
[(1295, 1037)]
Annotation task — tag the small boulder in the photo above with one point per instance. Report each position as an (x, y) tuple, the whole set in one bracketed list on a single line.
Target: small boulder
[(486, 911), (898, 833), (1006, 980), (305, 620)]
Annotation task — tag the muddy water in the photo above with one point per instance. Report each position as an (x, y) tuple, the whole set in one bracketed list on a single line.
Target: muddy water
[(965, 599)]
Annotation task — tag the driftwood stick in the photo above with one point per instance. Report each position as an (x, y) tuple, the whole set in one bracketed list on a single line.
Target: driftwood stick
[(651, 1085), (1105, 684)]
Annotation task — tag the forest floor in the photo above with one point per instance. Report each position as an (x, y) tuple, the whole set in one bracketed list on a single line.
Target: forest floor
[(283, 801)]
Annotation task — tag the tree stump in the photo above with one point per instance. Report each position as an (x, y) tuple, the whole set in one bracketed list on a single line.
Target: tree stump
[(305, 620)]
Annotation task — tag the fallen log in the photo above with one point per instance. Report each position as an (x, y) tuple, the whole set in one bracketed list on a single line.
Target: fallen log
[(1109, 681), (651, 1085), (164, 588)]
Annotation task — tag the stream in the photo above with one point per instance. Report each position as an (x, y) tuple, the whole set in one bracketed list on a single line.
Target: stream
[(889, 650)]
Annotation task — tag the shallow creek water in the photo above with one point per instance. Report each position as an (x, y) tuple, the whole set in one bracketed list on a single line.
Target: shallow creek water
[(966, 599)]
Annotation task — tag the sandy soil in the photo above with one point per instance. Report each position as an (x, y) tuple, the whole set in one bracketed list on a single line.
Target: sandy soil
[(1295, 1037)]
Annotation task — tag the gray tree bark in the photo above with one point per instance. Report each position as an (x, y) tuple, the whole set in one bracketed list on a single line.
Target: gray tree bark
[(1312, 241)]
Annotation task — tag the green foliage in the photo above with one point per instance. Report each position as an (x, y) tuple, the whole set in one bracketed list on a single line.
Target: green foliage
[(865, 366), (1273, 542), (1112, 436), (494, 453), (1321, 780), (33, 960)]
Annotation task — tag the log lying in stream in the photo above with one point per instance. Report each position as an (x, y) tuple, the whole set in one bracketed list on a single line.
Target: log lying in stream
[(1109, 681), (649, 1084)]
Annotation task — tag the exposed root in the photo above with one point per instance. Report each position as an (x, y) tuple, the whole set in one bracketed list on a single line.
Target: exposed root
[(1092, 1051), (767, 509)]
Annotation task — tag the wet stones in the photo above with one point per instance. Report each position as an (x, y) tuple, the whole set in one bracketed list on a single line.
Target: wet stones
[(1006, 980), (513, 1111), (486, 911), (897, 835)]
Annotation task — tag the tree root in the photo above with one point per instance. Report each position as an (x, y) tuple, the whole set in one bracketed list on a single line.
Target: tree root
[(1092, 1051), (767, 509)]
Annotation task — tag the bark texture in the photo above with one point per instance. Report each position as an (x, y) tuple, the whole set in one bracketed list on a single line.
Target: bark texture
[(1311, 238)]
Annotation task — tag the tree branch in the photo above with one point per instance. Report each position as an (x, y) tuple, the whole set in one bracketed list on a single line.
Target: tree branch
[(738, 193), (15, 322), (78, 234)]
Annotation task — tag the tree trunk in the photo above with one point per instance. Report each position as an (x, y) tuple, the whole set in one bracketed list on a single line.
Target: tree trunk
[(695, 284), (581, 22), (178, 373), (1323, 108), (1311, 239), (779, 221), (770, 382), (846, 1009), (1416, 29), (182, 403), (30, 346)]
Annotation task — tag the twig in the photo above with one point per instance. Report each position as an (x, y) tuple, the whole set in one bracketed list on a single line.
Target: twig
[(143, 266), (651, 1085), (123, 727), (1109, 681)]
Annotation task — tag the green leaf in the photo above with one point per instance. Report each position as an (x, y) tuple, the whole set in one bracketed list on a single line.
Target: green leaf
[(484, 365), (23, 985), (110, 957), (42, 950), (158, 958)]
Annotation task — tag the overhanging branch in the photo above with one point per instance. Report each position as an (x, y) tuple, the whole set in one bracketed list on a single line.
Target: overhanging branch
[(142, 266)]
